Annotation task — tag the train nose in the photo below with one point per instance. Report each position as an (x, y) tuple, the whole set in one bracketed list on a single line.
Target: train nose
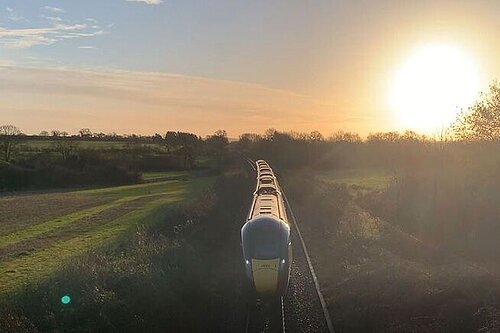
[(265, 275)]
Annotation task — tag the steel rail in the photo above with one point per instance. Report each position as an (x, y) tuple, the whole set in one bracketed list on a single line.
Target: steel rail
[(283, 315), (311, 268)]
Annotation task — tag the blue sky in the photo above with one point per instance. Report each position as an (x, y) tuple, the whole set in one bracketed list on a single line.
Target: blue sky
[(332, 59), (252, 41)]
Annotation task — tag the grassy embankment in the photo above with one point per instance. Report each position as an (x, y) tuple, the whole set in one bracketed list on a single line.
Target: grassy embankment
[(376, 276), (40, 232)]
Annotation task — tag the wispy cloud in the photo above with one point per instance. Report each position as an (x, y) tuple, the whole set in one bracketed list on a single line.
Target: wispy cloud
[(53, 9), (25, 38), (55, 30), (140, 102), (86, 47), (12, 15), (149, 2)]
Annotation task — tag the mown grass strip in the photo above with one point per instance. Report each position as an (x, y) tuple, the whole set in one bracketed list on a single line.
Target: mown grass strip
[(130, 193), (150, 176), (46, 227), (136, 189), (40, 229), (42, 264), (48, 233)]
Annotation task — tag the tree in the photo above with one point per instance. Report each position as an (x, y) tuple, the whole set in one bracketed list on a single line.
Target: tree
[(8, 141), (157, 138), (269, 134), (383, 137), (65, 148), (185, 144), (44, 133), (85, 133), (481, 121), (345, 137), (216, 145), (250, 138), (315, 136), (55, 133), (171, 140)]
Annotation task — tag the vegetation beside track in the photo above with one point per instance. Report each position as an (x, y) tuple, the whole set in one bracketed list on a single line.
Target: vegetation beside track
[(375, 275), (174, 275), (37, 250)]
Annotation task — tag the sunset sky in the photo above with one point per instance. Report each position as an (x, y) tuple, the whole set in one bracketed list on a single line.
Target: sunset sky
[(150, 66)]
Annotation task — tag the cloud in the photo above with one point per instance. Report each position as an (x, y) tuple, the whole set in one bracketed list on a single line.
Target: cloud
[(149, 2), (86, 47), (53, 9), (12, 15), (56, 30), (141, 102)]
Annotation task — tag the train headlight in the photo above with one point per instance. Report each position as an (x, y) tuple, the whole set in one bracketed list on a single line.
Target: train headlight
[(283, 261), (247, 262)]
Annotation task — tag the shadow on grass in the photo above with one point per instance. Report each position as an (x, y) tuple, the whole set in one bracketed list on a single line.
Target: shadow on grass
[(180, 275)]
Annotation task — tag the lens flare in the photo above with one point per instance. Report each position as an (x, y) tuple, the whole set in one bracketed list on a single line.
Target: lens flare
[(66, 299), (432, 86)]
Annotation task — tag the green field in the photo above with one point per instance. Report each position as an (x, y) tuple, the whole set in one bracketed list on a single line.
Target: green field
[(41, 232), (47, 144), (151, 176), (369, 179)]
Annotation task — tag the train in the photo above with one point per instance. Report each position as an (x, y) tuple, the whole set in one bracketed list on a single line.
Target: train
[(266, 238)]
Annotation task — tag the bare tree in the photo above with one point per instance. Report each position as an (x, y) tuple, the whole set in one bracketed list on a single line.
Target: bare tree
[(8, 140), (481, 122), (85, 133), (65, 147), (55, 133), (250, 137), (315, 136), (345, 137)]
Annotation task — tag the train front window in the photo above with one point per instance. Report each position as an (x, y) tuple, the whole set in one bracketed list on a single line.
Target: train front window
[(266, 246)]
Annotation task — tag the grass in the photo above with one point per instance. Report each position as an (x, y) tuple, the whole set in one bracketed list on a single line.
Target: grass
[(150, 176), (36, 252), (175, 276), (376, 277), (44, 144), (370, 179)]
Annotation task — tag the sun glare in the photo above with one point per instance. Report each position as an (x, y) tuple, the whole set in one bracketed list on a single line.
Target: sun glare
[(432, 86)]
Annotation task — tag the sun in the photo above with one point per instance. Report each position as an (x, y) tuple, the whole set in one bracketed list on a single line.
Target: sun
[(432, 85)]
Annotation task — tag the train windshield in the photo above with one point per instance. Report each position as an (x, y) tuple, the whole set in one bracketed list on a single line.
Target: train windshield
[(266, 246), (265, 239)]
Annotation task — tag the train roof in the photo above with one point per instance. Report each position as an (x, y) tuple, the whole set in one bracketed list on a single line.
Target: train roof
[(268, 200), (267, 204)]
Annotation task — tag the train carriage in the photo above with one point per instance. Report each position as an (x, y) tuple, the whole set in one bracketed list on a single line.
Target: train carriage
[(265, 237)]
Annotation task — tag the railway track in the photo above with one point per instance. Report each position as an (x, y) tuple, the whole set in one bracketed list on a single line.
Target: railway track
[(324, 307), (290, 314), (268, 316)]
